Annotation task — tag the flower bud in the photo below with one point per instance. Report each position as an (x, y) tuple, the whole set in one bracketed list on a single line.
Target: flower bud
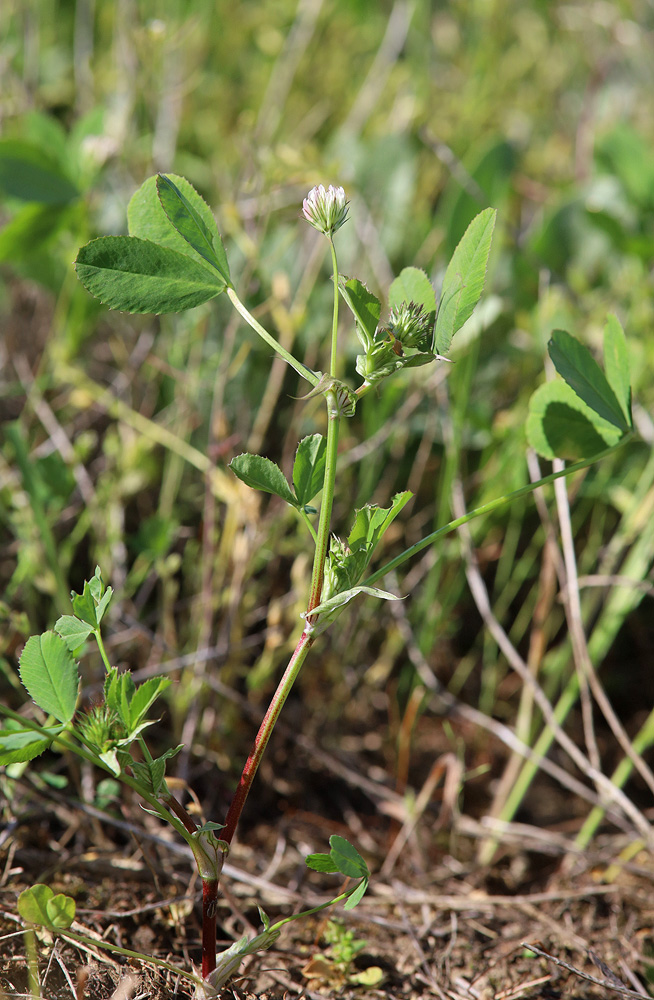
[(325, 210), (411, 325)]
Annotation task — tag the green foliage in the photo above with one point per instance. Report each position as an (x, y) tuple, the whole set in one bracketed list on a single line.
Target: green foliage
[(138, 276), (413, 285), (152, 773), (18, 744), (50, 675), (129, 701), (28, 173), (192, 219), (365, 307), (569, 250), (308, 472), (464, 279), (106, 731), (262, 474), (309, 468), (343, 859), (161, 266), (343, 944), (39, 905), (592, 410)]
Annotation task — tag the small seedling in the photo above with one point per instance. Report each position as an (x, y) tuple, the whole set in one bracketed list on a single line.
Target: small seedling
[(174, 259), (334, 966)]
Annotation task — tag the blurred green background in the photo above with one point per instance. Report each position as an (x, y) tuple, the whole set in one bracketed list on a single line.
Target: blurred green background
[(117, 430)]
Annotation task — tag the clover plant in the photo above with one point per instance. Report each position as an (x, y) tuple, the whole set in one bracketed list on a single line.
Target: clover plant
[(174, 259)]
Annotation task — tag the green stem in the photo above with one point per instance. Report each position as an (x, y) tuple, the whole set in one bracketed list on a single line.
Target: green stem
[(307, 520), (315, 909), (101, 647), (115, 949), (263, 333), (334, 355), (331, 454), (487, 508), (322, 541)]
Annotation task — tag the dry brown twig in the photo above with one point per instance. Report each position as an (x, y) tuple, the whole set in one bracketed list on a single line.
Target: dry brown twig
[(613, 983)]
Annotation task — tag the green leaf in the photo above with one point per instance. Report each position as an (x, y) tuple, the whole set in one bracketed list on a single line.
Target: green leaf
[(73, 631), (578, 367), (50, 675), (309, 468), (152, 773), (19, 744), (103, 604), (28, 173), (371, 523), (110, 758), (119, 690), (61, 911), (354, 898), (413, 285), (418, 360), (365, 306), (111, 688), (190, 221), (343, 598), (262, 474), (96, 586), (39, 905), (464, 279), (210, 826), (321, 863), (101, 595), (616, 365), (32, 904), (560, 425), (144, 696), (147, 219), (348, 859), (84, 606), (125, 689), (90, 605), (138, 276)]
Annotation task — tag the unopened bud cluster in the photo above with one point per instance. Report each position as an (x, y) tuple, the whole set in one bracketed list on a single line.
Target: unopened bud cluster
[(325, 209), (411, 325), (101, 727), (408, 327)]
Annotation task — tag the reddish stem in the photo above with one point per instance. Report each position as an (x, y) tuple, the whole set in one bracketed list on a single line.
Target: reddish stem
[(181, 813), (265, 730), (209, 910)]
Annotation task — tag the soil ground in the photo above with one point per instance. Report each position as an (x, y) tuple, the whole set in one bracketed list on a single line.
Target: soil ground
[(434, 923)]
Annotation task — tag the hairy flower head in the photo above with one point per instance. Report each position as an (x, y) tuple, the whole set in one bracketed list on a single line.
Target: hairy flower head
[(325, 210), (411, 325)]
